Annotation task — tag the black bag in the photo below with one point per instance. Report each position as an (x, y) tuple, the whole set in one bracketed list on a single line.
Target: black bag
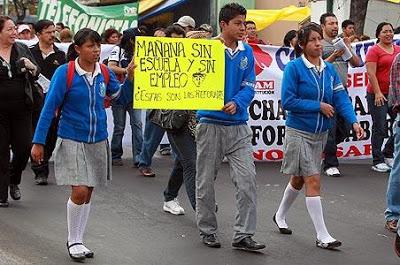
[(38, 96), (172, 120)]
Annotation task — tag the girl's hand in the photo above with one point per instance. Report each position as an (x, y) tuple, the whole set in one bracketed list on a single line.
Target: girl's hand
[(37, 153), (358, 130)]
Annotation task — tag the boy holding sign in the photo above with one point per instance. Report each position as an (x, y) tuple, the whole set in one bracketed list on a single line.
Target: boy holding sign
[(225, 133)]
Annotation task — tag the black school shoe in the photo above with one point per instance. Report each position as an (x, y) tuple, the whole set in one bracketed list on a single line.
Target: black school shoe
[(15, 192), (285, 231), (211, 241), (77, 256), (248, 244), (89, 254), (41, 181), (331, 245)]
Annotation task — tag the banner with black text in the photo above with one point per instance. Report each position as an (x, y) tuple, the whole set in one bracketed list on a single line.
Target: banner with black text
[(267, 118)]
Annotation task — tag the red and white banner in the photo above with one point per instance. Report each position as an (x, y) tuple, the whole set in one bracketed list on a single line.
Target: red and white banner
[(267, 118)]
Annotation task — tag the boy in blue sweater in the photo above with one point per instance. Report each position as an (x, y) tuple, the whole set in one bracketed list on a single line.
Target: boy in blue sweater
[(225, 133)]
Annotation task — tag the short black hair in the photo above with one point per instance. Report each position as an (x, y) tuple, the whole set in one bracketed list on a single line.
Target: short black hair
[(397, 30), (86, 34), (178, 30), (60, 24), (347, 23), (304, 33), (42, 24), (322, 19), (250, 22), (230, 11), (380, 27), (128, 39)]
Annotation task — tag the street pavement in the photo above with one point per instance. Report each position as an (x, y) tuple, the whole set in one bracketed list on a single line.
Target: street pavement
[(127, 224)]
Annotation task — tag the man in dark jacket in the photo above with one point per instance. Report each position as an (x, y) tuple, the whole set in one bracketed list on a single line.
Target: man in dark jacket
[(49, 57)]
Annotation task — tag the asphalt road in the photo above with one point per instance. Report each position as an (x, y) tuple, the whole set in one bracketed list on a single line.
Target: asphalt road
[(127, 224)]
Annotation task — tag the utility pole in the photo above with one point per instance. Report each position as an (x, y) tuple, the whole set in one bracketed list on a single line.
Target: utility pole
[(214, 15), (5, 7)]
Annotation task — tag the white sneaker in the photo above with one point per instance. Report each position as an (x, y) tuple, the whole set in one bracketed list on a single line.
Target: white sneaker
[(389, 162), (332, 172), (381, 167), (173, 207)]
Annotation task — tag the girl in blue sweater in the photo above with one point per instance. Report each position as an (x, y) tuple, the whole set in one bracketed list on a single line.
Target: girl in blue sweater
[(311, 93), (82, 155)]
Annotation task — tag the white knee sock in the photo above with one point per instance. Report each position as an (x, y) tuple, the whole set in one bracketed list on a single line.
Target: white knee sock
[(85, 217), (82, 227), (289, 196), (314, 208), (74, 214)]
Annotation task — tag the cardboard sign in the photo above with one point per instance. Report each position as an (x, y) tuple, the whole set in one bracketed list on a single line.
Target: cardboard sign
[(177, 73)]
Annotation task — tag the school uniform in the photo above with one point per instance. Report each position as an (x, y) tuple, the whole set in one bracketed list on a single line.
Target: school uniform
[(303, 89), (82, 155)]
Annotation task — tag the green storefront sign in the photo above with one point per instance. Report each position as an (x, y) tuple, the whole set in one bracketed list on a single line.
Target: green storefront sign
[(77, 16)]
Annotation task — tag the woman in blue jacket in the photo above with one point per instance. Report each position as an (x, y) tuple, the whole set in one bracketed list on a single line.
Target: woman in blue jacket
[(82, 154), (311, 93)]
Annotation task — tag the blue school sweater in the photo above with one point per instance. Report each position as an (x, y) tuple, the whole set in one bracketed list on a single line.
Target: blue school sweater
[(239, 87), (83, 117), (303, 89)]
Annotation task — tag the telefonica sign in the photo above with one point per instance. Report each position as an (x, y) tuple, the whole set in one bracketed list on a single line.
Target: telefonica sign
[(77, 16)]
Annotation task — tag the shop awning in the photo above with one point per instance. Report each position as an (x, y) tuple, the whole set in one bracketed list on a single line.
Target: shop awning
[(264, 18), (162, 7)]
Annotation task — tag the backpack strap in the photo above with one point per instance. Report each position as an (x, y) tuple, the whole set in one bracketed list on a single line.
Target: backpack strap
[(70, 77), (105, 72), (70, 74)]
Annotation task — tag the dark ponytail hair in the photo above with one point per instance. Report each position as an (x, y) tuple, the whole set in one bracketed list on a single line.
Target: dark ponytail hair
[(71, 53), (379, 29), (128, 40), (291, 34), (304, 33)]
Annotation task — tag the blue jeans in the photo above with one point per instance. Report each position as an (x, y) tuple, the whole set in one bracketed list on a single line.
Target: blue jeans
[(380, 130), (184, 170), (393, 190), (153, 135), (119, 115)]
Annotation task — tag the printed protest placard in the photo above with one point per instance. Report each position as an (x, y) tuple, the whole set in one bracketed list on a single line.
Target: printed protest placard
[(176, 73)]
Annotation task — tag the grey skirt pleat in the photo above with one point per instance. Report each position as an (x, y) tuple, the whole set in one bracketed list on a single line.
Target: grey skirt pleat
[(303, 152), (82, 164)]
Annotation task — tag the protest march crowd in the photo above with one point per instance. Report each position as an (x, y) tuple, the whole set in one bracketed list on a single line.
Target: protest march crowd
[(52, 105)]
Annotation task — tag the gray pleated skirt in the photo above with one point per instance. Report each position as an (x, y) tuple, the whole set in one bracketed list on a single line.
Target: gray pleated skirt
[(303, 152), (82, 164)]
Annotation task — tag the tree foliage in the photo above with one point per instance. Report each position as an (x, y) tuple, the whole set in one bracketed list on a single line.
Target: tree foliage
[(20, 7)]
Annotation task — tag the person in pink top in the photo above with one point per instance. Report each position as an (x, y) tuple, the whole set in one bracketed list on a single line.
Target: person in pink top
[(379, 59)]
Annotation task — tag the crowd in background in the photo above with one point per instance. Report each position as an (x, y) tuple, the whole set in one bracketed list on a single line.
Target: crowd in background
[(321, 121)]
